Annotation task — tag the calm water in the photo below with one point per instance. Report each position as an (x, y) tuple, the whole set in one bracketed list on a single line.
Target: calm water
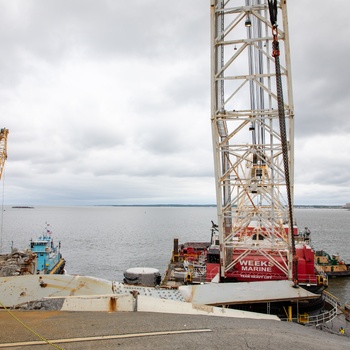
[(105, 241)]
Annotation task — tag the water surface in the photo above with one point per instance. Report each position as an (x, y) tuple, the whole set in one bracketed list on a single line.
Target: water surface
[(105, 241)]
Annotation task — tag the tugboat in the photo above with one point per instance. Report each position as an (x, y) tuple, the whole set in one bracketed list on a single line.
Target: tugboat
[(333, 266), (325, 264), (49, 257), (42, 257)]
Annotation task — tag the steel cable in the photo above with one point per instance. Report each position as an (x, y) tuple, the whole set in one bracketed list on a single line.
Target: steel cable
[(29, 329), (283, 133)]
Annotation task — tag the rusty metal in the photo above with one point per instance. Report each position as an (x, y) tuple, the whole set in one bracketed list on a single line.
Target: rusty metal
[(17, 263)]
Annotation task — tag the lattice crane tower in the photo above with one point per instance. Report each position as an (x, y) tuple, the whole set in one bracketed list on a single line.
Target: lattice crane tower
[(3, 149), (251, 185)]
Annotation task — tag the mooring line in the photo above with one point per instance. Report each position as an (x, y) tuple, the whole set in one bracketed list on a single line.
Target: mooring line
[(44, 340)]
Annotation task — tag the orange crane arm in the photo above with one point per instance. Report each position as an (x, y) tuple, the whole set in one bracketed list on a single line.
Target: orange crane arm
[(3, 149)]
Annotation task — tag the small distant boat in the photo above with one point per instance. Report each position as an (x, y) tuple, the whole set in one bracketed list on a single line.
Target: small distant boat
[(22, 207), (333, 266), (42, 257)]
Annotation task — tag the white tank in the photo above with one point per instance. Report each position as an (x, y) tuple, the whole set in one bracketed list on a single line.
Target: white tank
[(142, 276)]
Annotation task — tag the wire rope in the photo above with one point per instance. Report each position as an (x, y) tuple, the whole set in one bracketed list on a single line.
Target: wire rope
[(283, 132), (2, 212), (30, 329)]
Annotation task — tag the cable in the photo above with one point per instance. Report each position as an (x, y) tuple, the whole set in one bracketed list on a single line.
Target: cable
[(29, 329), (283, 133), (2, 212)]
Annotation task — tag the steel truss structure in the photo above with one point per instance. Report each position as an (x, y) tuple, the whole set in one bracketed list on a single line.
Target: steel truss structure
[(249, 172), (3, 149)]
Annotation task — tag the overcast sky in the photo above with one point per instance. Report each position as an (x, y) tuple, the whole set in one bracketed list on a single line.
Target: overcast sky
[(107, 102)]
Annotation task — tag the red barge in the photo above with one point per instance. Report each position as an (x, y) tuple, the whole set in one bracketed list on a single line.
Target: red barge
[(199, 262)]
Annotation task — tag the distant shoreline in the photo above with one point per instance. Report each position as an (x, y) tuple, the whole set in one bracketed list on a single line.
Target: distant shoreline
[(309, 206), (297, 206)]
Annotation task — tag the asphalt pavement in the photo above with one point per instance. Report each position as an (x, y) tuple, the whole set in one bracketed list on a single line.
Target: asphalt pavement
[(138, 330)]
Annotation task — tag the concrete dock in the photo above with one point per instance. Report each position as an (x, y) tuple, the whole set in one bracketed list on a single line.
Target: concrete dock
[(145, 330)]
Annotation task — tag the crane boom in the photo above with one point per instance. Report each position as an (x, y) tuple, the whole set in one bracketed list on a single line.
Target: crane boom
[(3, 149), (252, 119), (251, 185)]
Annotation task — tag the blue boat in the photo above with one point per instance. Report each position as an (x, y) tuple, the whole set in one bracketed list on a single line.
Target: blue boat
[(48, 256), (41, 257)]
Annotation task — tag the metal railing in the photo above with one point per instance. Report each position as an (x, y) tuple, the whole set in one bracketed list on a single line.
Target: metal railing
[(316, 320)]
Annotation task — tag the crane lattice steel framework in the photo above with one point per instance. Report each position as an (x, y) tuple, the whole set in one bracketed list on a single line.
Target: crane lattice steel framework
[(251, 186), (3, 149)]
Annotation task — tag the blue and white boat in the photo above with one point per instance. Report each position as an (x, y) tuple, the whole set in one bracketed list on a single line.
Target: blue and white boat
[(48, 256), (41, 257)]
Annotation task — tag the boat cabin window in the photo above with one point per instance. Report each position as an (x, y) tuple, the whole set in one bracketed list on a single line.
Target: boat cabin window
[(214, 258)]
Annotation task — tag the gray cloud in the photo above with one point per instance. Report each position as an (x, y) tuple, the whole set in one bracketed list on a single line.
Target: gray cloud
[(108, 101)]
